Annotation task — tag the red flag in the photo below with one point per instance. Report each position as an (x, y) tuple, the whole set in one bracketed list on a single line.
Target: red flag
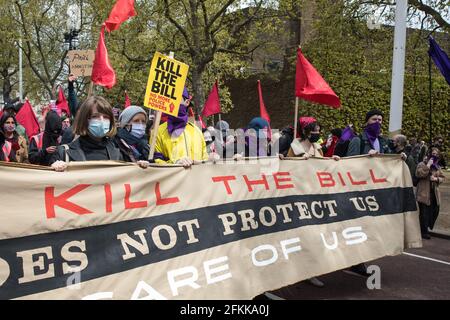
[(102, 72), (28, 120), (310, 86), (212, 104), (122, 10), (262, 107), (127, 100), (61, 102), (200, 119)]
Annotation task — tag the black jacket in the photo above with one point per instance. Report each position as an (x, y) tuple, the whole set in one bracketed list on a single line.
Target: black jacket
[(361, 145), (86, 149), (38, 156)]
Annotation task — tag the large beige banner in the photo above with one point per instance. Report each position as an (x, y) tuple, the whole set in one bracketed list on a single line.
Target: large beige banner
[(108, 230)]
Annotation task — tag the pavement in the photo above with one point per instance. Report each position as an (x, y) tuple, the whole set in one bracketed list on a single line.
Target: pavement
[(442, 225), (417, 274)]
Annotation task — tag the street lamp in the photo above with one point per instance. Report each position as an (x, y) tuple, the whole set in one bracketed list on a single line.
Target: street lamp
[(71, 40)]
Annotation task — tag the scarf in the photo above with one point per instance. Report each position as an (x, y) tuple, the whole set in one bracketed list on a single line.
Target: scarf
[(176, 125), (139, 147), (372, 132)]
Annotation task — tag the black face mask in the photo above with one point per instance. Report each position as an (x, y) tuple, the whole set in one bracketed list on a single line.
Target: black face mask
[(314, 137), (392, 145)]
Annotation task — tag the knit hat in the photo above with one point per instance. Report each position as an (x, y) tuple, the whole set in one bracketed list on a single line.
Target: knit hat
[(222, 125), (128, 114), (373, 113)]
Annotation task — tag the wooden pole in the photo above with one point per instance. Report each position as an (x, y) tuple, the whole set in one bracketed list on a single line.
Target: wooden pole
[(91, 86), (154, 133)]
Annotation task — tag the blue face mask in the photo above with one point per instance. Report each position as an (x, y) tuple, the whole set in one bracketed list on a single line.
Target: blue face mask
[(137, 130), (98, 128)]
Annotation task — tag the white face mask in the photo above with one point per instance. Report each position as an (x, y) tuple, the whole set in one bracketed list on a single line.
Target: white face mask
[(138, 130), (98, 128)]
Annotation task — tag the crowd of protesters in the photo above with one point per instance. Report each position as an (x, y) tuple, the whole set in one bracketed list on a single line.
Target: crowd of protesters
[(97, 131)]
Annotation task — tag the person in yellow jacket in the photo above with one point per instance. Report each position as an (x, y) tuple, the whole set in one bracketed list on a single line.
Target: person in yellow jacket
[(179, 141)]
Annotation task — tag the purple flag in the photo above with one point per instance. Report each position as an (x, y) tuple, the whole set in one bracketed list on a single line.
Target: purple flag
[(347, 134), (440, 58)]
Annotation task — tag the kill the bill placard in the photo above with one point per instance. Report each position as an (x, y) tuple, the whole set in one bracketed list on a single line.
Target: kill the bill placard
[(165, 84)]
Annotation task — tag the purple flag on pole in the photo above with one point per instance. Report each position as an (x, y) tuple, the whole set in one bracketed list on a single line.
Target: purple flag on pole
[(440, 58)]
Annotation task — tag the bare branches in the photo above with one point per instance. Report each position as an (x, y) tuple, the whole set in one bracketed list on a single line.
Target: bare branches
[(432, 12)]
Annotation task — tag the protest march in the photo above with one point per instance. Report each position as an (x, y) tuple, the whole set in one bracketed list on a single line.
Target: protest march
[(158, 194)]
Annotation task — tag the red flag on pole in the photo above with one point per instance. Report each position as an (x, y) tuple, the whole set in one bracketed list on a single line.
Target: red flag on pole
[(200, 119), (102, 72), (122, 10), (212, 104), (262, 107), (310, 86), (61, 102), (28, 120), (127, 100)]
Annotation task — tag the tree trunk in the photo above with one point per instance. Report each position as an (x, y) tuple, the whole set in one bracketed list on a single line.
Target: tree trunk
[(197, 85), (7, 89)]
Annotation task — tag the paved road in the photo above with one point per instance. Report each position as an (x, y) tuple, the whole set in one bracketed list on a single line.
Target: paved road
[(406, 276)]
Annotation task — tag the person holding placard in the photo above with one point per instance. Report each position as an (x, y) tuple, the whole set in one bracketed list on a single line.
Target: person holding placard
[(179, 141)]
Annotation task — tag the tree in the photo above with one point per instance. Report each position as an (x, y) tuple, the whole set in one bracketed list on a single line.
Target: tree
[(436, 13)]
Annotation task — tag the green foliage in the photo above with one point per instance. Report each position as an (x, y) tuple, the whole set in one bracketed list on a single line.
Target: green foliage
[(356, 62)]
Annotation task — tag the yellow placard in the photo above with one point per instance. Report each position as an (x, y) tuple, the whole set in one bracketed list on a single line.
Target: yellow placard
[(165, 84)]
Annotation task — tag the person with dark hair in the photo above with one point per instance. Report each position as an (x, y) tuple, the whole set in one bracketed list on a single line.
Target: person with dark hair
[(72, 96), (12, 109), (67, 134), (430, 176), (285, 140), (8, 125), (7, 153), (306, 146), (329, 146), (438, 142), (370, 141), (131, 134), (44, 144), (342, 144), (95, 126)]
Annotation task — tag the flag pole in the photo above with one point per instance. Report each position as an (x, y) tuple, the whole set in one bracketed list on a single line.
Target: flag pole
[(430, 86), (91, 86), (296, 116), (154, 132), (220, 129), (296, 107)]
